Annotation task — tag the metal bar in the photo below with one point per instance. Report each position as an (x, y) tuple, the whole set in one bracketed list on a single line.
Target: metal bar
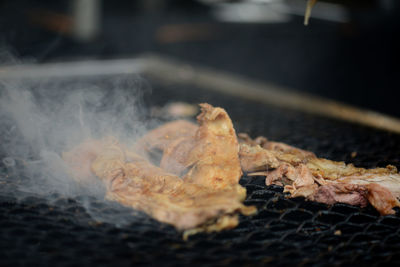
[(175, 71), (267, 93), (73, 69)]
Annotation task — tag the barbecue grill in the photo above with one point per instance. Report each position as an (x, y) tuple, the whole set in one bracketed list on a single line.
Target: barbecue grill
[(65, 232)]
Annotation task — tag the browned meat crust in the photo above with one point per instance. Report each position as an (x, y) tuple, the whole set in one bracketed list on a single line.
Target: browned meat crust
[(304, 175), (214, 159), (255, 158), (382, 198), (161, 137), (354, 194), (208, 156), (280, 151), (207, 198), (164, 196)]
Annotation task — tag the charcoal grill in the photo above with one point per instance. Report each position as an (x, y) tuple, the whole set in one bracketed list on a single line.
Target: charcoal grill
[(285, 231)]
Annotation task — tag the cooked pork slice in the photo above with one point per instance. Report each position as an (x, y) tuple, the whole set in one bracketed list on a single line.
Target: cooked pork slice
[(275, 146), (161, 137), (284, 175), (287, 149), (326, 181), (176, 154), (209, 156), (346, 173), (207, 198), (304, 191), (255, 158), (195, 187), (290, 177), (164, 196), (299, 182), (382, 198), (281, 151), (333, 170), (381, 176), (355, 194), (344, 193), (379, 187), (215, 156), (177, 147)]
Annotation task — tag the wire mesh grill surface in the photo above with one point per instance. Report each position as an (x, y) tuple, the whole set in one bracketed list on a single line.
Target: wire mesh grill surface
[(61, 232)]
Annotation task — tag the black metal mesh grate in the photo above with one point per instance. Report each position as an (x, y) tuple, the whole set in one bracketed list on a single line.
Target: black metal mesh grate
[(285, 231)]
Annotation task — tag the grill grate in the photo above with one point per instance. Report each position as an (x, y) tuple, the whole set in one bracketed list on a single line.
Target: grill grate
[(285, 231)]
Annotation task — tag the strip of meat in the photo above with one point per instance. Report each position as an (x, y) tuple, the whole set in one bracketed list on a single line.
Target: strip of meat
[(196, 188), (175, 157), (159, 142), (344, 193), (207, 198), (161, 137), (286, 149), (282, 152), (334, 170), (255, 158), (164, 196), (382, 198), (300, 172), (354, 194), (292, 178), (381, 176), (216, 151), (211, 156), (176, 140), (262, 141), (303, 174)]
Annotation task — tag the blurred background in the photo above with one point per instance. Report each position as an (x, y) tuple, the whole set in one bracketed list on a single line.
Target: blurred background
[(348, 52)]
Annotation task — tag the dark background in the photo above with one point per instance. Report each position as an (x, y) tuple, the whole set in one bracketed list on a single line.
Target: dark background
[(354, 62)]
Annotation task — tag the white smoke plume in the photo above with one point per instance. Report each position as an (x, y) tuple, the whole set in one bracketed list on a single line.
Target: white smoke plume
[(40, 119)]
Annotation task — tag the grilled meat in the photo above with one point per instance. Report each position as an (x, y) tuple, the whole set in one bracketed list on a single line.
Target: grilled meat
[(166, 197), (195, 186), (214, 159), (161, 137), (282, 152), (255, 158), (207, 198), (304, 175), (206, 154)]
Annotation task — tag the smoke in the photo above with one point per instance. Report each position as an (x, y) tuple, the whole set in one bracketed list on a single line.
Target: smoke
[(40, 119)]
